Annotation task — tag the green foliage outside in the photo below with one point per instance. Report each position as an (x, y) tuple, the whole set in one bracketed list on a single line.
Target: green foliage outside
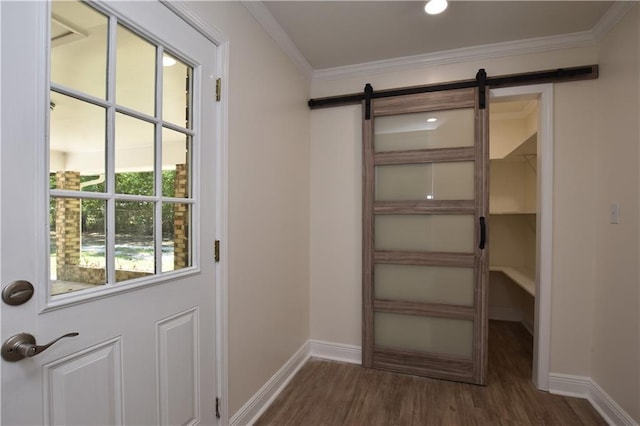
[(131, 217)]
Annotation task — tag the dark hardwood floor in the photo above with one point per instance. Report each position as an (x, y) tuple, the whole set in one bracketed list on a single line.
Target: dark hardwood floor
[(332, 393)]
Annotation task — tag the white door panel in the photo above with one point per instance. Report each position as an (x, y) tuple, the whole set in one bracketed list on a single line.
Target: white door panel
[(68, 401), (145, 353)]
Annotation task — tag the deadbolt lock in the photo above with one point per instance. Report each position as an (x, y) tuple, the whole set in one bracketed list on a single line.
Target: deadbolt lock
[(17, 293)]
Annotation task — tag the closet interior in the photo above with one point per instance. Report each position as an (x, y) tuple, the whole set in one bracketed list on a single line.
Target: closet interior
[(512, 206)]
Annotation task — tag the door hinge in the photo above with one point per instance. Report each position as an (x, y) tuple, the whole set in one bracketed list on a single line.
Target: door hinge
[(217, 408), (218, 89), (216, 251)]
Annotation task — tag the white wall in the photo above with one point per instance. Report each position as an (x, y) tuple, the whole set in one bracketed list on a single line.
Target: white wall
[(335, 274), (268, 202), (616, 333), (336, 225)]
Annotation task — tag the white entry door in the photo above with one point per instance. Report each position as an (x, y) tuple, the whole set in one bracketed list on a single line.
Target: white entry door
[(107, 196)]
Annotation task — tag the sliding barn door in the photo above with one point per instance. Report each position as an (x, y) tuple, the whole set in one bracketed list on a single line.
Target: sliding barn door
[(425, 261)]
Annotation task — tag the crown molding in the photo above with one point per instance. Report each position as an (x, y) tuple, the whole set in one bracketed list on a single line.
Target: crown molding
[(540, 44), (517, 47), (611, 17), (487, 51), (260, 12)]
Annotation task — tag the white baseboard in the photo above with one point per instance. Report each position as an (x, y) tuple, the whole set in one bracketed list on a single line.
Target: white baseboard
[(510, 314), (257, 405), (528, 324), (335, 351), (253, 409), (560, 384), (505, 314), (568, 385), (586, 388), (608, 408)]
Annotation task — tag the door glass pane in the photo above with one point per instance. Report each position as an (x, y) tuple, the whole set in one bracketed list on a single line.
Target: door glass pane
[(435, 181), (134, 155), (77, 244), (176, 159), (79, 148), (424, 334), (176, 91), (425, 130), (134, 249), (440, 233), (429, 284), (79, 47), (176, 240), (135, 72), (76, 144)]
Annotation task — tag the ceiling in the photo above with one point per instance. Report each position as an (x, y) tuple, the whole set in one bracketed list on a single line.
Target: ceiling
[(339, 33)]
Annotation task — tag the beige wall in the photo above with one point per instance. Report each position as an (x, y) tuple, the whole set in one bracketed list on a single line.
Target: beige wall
[(335, 275), (513, 186), (268, 202), (573, 247), (336, 225), (616, 348), (294, 208), (511, 134)]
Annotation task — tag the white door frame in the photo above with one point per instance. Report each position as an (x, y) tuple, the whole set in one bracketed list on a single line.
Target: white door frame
[(1, 248), (544, 225), (222, 196), (222, 132)]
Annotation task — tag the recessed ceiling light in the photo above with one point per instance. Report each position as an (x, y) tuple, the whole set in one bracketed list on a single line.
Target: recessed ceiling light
[(433, 7), (431, 120), (168, 61)]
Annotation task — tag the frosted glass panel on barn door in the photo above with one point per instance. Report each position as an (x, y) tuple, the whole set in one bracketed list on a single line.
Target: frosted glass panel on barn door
[(425, 267)]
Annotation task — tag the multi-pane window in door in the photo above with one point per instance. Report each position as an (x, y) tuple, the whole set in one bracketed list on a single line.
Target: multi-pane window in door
[(120, 153)]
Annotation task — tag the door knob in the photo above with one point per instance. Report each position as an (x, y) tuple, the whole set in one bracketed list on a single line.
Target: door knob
[(23, 345)]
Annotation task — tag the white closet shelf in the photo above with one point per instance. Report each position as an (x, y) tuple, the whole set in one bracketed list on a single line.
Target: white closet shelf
[(528, 147), (525, 149), (524, 277)]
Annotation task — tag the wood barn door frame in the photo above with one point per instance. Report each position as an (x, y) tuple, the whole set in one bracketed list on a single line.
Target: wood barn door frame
[(450, 367), (544, 218)]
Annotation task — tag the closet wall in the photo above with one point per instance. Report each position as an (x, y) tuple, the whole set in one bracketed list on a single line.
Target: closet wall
[(512, 205)]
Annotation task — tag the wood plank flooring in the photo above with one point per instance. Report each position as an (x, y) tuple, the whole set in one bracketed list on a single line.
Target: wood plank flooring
[(331, 393)]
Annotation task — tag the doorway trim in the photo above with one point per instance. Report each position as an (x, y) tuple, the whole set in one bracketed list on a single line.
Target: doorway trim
[(221, 40), (544, 223)]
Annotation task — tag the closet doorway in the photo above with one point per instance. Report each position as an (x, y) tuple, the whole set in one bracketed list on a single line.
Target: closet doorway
[(520, 196)]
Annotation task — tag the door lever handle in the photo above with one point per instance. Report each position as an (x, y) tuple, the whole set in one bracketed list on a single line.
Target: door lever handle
[(23, 345)]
